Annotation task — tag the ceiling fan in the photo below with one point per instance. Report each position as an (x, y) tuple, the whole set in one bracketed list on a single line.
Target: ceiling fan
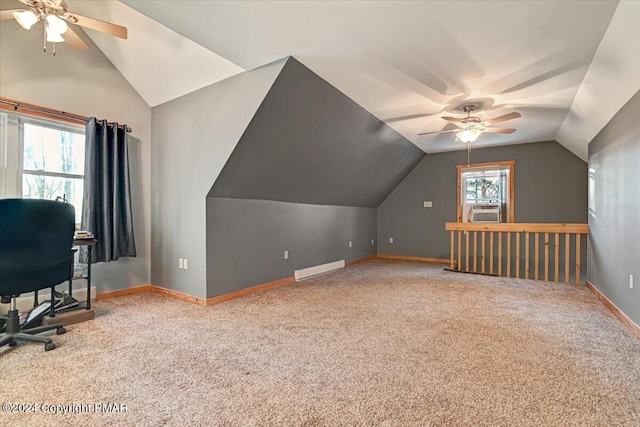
[(469, 128), (55, 16)]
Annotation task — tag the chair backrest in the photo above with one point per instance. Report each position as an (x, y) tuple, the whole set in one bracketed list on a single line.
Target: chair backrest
[(35, 244)]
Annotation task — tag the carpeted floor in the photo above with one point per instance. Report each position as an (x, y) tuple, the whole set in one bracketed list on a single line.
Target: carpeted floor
[(382, 343)]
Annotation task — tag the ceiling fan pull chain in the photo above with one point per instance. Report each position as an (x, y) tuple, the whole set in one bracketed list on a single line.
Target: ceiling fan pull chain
[(44, 39)]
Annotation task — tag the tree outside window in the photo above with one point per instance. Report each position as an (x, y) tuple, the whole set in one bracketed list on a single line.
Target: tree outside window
[(483, 189), (53, 164)]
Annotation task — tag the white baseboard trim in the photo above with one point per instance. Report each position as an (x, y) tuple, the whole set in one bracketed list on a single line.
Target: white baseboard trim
[(25, 302)]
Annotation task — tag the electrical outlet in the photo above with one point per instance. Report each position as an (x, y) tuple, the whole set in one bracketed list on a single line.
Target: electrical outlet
[(428, 204), (180, 263), (631, 281), (286, 254), (390, 239), (350, 244), (373, 242), (185, 264)]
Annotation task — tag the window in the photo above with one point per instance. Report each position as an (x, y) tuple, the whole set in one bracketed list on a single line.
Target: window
[(483, 186), (485, 190), (51, 162)]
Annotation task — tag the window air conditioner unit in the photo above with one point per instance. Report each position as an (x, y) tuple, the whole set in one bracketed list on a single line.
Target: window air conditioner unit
[(485, 213)]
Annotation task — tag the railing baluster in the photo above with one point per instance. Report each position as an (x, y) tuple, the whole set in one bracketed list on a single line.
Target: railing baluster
[(459, 267), (556, 259), (567, 249), (546, 257), (475, 251), (508, 254), (537, 263), (483, 261), (499, 253), (518, 255), (491, 253), (453, 238), (526, 250), (577, 259), (466, 236)]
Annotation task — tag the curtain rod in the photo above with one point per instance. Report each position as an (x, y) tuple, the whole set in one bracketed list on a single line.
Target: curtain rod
[(16, 105)]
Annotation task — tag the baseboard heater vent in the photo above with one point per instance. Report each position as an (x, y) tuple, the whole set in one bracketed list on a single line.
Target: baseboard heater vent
[(305, 273)]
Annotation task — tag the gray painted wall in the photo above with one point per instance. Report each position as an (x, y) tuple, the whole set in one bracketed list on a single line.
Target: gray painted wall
[(614, 155), (550, 186), (310, 143), (84, 83), (193, 137), (306, 176), (246, 239)]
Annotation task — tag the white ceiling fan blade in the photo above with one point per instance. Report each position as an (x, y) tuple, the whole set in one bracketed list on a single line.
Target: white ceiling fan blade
[(454, 121), (440, 131), (501, 119), (498, 130), (98, 25), (74, 41), (8, 13)]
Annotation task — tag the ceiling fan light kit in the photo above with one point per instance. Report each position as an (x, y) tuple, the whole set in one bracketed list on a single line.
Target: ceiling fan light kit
[(469, 135), (26, 18), (56, 18), (56, 24)]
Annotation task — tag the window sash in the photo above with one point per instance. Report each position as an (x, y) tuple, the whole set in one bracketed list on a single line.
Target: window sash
[(474, 195), (54, 174), (65, 127)]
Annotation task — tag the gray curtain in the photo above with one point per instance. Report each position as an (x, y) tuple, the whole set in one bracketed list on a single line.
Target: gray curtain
[(106, 208)]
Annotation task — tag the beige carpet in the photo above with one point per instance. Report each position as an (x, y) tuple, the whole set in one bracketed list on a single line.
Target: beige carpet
[(380, 344)]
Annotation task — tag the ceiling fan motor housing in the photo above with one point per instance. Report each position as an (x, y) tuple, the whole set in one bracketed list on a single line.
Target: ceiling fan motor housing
[(471, 122)]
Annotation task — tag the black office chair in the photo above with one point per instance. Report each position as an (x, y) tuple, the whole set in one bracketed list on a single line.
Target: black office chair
[(35, 253)]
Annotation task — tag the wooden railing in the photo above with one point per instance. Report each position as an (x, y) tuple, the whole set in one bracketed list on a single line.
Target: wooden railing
[(497, 249)]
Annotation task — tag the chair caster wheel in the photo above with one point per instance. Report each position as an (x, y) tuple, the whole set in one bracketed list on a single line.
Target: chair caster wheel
[(61, 331), (49, 346), (13, 344)]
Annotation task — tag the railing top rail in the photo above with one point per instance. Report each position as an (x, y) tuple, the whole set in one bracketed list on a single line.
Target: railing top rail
[(519, 227)]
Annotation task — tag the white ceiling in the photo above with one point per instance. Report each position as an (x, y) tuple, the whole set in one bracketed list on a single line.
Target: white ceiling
[(612, 79), (406, 62), (158, 62)]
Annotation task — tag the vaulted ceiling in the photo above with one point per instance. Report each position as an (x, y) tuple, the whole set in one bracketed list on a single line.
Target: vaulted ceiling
[(566, 66)]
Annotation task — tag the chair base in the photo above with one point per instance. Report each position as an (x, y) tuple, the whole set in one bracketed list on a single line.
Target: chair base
[(13, 334)]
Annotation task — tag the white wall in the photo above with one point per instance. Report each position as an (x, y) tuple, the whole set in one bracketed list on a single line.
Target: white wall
[(86, 83)]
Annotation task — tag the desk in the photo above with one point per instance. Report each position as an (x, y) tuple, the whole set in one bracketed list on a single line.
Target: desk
[(90, 243), (74, 315)]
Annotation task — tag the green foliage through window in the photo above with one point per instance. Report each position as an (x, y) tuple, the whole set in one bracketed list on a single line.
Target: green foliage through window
[(484, 189)]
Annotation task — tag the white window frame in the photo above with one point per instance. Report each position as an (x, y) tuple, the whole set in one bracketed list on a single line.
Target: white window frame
[(48, 124), (12, 151)]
